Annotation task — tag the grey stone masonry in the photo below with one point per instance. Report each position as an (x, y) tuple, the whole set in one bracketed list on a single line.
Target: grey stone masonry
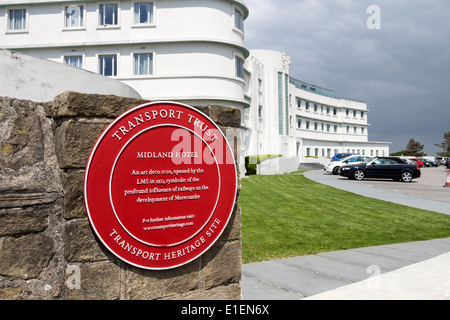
[(48, 250)]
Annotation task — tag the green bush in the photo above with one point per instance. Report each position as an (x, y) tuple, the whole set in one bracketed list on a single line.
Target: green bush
[(251, 162)]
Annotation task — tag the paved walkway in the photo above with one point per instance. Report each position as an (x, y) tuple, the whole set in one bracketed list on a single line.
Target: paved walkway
[(410, 271)]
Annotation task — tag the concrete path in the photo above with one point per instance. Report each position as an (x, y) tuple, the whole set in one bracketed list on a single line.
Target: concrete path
[(410, 271)]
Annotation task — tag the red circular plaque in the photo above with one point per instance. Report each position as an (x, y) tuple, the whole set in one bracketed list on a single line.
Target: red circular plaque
[(160, 185)]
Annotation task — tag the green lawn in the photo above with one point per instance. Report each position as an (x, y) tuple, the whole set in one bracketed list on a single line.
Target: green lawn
[(289, 215)]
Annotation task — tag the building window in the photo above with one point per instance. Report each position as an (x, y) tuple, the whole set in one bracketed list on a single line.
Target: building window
[(108, 65), (334, 111), (238, 20), (74, 16), (108, 14), (17, 19), (307, 124), (260, 111), (335, 128), (143, 12), (143, 63), (328, 127), (308, 152), (299, 123), (316, 125), (74, 61), (240, 68), (307, 105)]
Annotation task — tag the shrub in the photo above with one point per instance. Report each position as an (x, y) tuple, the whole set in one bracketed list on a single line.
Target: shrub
[(251, 162)]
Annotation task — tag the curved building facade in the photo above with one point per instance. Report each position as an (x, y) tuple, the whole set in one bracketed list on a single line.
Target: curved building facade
[(183, 50), (299, 120)]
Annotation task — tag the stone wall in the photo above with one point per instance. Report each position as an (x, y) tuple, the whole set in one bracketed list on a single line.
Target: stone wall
[(47, 247)]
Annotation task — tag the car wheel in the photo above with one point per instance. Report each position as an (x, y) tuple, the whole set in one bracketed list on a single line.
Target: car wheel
[(335, 170), (406, 176), (358, 175)]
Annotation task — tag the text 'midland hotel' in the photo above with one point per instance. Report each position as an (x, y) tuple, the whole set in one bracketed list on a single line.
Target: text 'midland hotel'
[(193, 52)]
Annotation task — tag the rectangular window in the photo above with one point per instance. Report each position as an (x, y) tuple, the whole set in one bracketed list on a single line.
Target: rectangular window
[(17, 19), (143, 12), (143, 63), (260, 111), (74, 61), (299, 123), (108, 14), (74, 16), (239, 68), (108, 65), (238, 20)]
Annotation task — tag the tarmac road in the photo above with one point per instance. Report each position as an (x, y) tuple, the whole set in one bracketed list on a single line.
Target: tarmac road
[(409, 271)]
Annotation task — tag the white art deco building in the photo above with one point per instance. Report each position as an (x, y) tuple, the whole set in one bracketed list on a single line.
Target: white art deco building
[(192, 51)]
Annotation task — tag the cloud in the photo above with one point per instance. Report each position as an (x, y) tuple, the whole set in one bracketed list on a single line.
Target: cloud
[(401, 70)]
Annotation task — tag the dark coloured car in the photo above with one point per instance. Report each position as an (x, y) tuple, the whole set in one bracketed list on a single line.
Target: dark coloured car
[(448, 164), (429, 163), (382, 167)]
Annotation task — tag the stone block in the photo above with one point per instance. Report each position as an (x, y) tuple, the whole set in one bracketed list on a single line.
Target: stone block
[(25, 257), (227, 292), (19, 221), (10, 293), (222, 264), (226, 116), (75, 139), (147, 284), (73, 194), (21, 136), (98, 281), (81, 244), (73, 104), (233, 230)]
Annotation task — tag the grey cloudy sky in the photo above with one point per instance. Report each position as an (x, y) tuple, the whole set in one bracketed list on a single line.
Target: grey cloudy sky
[(401, 70)]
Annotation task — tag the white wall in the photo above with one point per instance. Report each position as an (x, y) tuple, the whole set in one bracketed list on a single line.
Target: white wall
[(30, 78)]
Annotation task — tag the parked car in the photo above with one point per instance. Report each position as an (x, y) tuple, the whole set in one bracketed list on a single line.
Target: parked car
[(429, 163), (448, 164), (382, 167), (340, 156), (419, 163), (333, 167)]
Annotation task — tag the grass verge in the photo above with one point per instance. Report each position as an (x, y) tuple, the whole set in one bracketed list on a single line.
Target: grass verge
[(289, 215)]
